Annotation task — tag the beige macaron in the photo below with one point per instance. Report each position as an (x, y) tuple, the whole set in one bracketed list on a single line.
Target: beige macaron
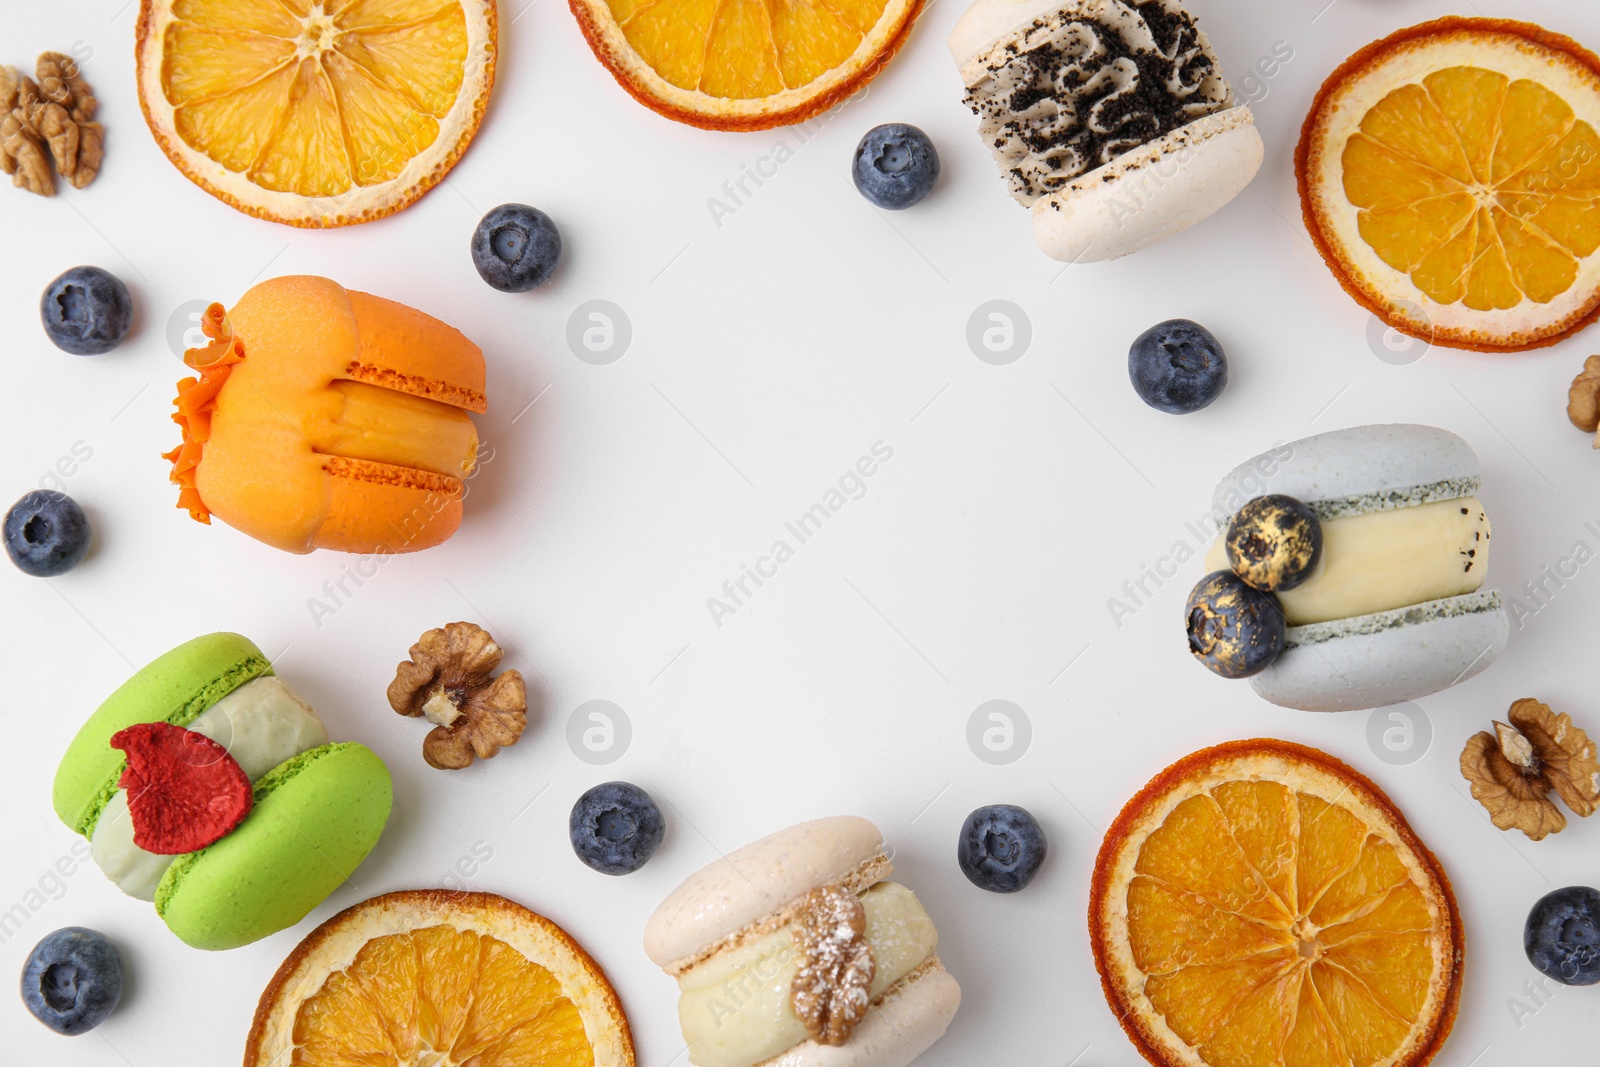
[(795, 951)]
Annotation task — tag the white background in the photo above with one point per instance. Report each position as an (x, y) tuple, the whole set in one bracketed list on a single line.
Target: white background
[(768, 354)]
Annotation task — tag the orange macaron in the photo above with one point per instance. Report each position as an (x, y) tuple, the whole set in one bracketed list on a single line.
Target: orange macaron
[(327, 418)]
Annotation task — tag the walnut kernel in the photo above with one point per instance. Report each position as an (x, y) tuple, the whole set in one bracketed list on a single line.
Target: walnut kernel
[(1583, 399), (47, 120), (1513, 770), (22, 151), (832, 989), (76, 141), (449, 680)]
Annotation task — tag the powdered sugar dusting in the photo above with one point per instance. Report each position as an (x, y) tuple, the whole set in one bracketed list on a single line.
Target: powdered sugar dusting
[(831, 991)]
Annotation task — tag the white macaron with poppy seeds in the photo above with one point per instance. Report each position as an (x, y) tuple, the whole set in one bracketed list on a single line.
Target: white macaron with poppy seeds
[(1110, 120)]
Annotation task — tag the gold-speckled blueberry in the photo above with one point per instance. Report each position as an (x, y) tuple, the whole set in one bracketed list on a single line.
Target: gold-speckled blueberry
[(1234, 630), (1274, 543)]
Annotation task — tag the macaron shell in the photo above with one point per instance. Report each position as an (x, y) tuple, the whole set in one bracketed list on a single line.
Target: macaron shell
[(751, 883), (1388, 658), (1371, 466), (404, 349), (175, 688), (896, 1030), (316, 817), (984, 23), (393, 508), (1151, 192)]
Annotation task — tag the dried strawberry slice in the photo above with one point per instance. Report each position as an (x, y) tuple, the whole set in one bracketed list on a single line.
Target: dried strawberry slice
[(184, 790)]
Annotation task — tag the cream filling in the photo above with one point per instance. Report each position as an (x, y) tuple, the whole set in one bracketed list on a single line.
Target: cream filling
[(1384, 560), (261, 724), (734, 1008)]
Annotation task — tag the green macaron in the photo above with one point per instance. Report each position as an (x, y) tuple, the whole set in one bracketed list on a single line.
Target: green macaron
[(315, 818), (175, 689)]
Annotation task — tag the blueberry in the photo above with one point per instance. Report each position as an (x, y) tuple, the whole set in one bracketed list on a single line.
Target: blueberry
[(1274, 542), (1000, 848), (895, 166), (616, 828), (1177, 366), (1562, 937), (516, 247), (86, 311), (1234, 630), (47, 533), (72, 980)]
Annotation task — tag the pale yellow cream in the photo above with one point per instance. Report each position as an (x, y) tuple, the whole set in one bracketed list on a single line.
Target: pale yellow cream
[(734, 1008), (1385, 560)]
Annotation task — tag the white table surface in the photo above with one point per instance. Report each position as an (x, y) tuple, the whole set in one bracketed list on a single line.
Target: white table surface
[(768, 353)]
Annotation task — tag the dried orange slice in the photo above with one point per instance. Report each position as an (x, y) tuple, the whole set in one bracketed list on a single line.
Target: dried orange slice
[(315, 112), (1450, 176), (744, 64), (1262, 903), (439, 978)]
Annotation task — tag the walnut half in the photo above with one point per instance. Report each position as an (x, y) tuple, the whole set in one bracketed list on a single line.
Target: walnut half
[(832, 989), (77, 143), (22, 149), (1513, 770), (49, 119), (449, 680), (1583, 399)]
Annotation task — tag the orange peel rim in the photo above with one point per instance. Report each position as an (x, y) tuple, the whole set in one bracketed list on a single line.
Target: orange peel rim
[(593, 29), (165, 137), (487, 905), (1116, 838), (1529, 31)]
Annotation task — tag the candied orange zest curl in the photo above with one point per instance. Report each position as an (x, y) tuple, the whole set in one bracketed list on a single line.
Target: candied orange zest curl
[(196, 400)]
